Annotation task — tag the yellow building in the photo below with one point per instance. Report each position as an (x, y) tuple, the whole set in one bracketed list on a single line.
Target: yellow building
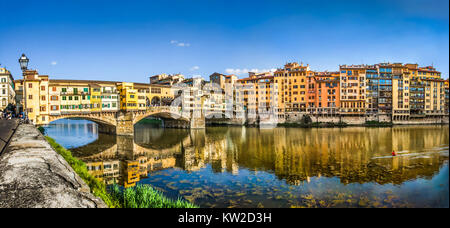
[(111, 171), (95, 98), (95, 169), (160, 95), (142, 93), (128, 96), (428, 72), (434, 97), (130, 173), (447, 96), (34, 93), (291, 82)]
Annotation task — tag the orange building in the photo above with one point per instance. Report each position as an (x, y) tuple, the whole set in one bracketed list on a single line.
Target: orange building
[(323, 93)]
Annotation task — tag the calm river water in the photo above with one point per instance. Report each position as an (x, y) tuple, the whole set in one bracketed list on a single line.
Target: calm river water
[(281, 167)]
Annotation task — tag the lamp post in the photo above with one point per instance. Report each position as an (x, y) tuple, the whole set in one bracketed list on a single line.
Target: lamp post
[(23, 61)]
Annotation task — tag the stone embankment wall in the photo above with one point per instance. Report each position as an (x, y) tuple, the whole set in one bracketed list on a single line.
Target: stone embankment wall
[(349, 120), (33, 175)]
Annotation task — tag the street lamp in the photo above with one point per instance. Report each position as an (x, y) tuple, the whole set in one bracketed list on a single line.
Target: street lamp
[(23, 60)]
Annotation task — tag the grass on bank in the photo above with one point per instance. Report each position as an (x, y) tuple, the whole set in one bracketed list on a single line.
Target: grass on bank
[(141, 196), (144, 196)]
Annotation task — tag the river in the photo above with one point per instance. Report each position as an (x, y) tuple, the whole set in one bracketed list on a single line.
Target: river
[(280, 167)]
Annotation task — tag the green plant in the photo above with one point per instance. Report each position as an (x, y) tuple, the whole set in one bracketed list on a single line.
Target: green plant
[(42, 130), (144, 196)]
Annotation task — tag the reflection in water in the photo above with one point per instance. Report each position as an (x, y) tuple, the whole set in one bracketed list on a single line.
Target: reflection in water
[(281, 167)]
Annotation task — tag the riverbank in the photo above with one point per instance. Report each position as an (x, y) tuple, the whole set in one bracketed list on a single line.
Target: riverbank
[(33, 175), (141, 196)]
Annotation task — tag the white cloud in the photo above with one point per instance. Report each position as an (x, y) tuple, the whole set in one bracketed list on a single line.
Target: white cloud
[(184, 44), (194, 68), (245, 71), (179, 44), (54, 63)]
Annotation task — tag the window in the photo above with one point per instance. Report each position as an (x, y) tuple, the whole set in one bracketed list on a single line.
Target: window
[(64, 98), (30, 85), (64, 90), (75, 90), (43, 88), (54, 98), (43, 98), (30, 97), (54, 89)]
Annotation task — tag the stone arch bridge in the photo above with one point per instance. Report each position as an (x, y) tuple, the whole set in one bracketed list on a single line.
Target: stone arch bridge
[(122, 123)]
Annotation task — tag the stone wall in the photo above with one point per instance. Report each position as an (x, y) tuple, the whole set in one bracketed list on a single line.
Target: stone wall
[(296, 117), (33, 175)]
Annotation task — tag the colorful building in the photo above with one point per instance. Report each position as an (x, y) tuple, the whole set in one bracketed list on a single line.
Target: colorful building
[(258, 94), (128, 96), (292, 85), (323, 93), (353, 90), (7, 90)]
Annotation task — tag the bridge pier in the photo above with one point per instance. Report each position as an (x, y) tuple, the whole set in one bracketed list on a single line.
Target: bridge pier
[(125, 124), (198, 123)]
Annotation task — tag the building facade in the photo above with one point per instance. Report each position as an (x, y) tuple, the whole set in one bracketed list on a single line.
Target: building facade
[(7, 88), (43, 97)]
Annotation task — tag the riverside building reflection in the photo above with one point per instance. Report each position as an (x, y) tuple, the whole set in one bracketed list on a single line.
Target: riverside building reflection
[(281, 167), (354, 155)]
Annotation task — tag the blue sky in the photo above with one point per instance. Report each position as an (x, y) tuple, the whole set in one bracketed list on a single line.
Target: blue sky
[(132, 40)]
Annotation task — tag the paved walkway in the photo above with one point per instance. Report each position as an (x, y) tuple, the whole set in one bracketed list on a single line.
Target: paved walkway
[(32, 174)]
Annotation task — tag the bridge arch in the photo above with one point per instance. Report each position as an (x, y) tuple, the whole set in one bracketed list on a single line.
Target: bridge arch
[(106, 122), (165, 115)]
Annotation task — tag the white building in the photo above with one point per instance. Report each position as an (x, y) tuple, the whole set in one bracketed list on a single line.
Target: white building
[(7, 92), (110, 99)]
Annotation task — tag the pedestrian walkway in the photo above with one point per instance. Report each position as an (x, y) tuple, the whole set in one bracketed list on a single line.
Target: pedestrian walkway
[(32, 174)]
